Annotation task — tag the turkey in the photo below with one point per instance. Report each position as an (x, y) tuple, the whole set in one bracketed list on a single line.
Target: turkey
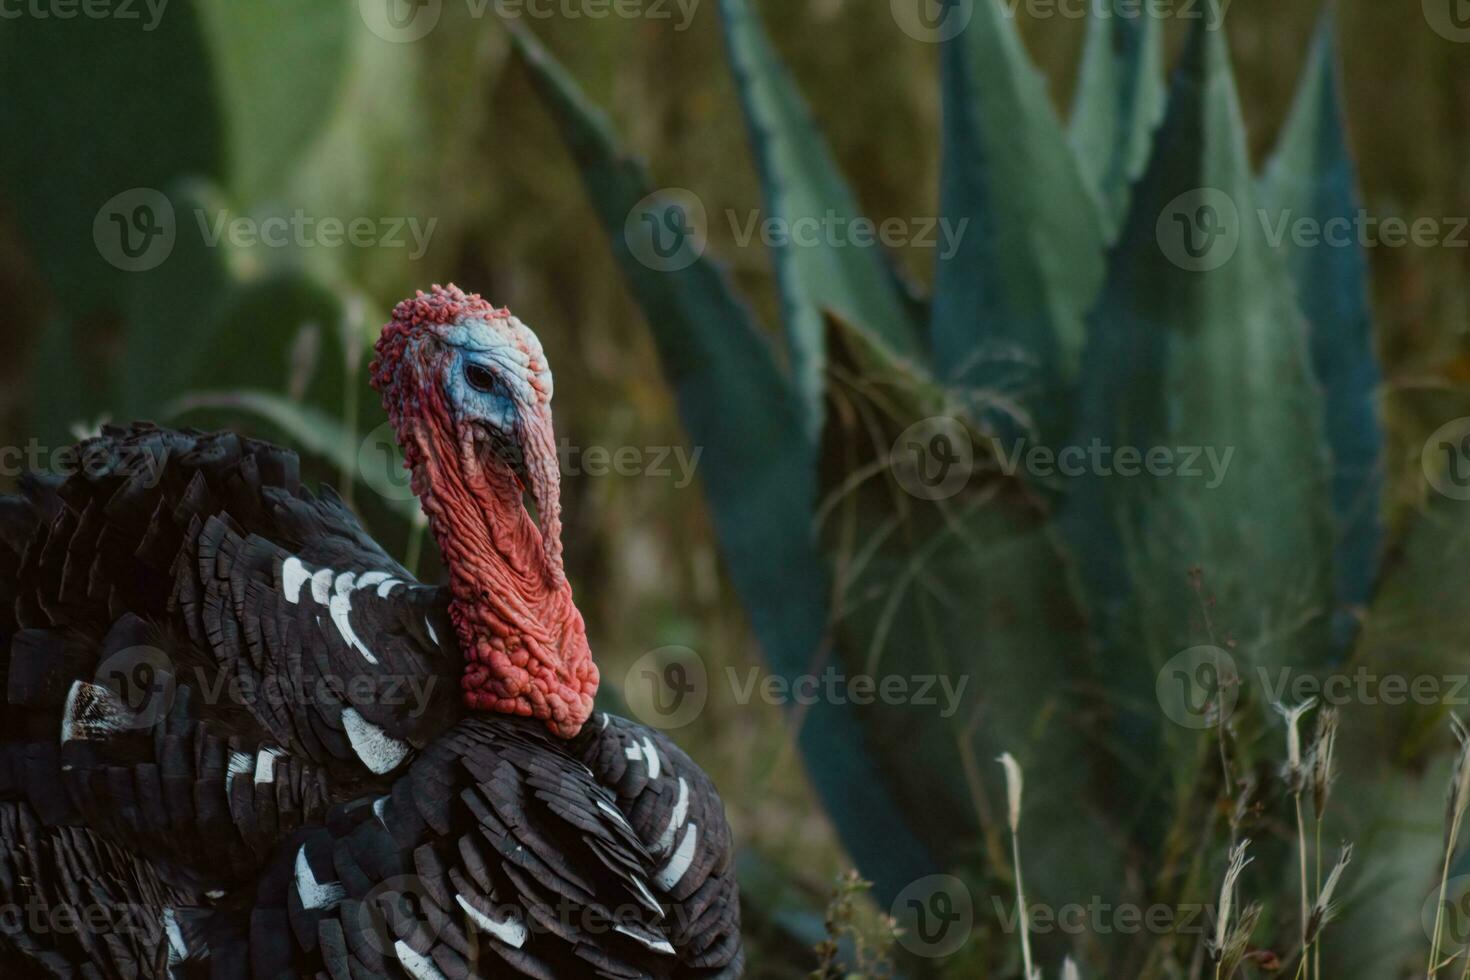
[(240, 740)]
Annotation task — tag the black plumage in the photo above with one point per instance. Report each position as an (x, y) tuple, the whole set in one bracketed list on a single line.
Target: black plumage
[(233, 719)]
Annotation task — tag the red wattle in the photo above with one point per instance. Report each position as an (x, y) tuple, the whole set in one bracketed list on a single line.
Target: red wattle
[(523, 639)]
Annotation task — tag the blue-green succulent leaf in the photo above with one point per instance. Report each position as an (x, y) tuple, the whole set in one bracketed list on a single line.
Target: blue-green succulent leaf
[(1311, 179), (816, 271), (1009, 301), (946, 568), (1119, 101), (1197, 355), (758, 468)]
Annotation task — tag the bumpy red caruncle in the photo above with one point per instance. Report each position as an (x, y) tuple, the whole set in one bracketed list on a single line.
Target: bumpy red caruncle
[(523, 639)]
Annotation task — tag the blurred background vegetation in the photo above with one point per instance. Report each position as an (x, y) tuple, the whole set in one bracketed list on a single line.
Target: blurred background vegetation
[(288, 107)]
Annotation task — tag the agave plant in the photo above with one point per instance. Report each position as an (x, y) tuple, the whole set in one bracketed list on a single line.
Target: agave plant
[(1119, 285)]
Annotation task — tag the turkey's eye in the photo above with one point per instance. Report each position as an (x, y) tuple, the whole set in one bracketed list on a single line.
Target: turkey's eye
[(479, 378)]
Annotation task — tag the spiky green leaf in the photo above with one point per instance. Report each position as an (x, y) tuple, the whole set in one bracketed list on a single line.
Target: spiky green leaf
[(1309, 192), (1009, 301), (958, 583), (821, 264), (1197, 351), (1119, 101), (757, 468)]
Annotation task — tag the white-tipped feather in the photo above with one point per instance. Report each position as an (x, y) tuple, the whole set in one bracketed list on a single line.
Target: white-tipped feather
[(678, 865), (371, 580), (415, 964), (293, 576), (655, 943), (341, 610), (379, 751), (315, 894), (321, 585), (511, 931), (676, 819), (92, 713), (265, 765)]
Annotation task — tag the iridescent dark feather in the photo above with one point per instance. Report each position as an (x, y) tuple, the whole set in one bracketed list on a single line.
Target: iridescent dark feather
[(233, 738)]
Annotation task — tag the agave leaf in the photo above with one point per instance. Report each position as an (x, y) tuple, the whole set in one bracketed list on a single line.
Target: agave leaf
[(1197, 348), (801, 183), (758, 472), (278, 86), (1009, 303), (1119, 100), (73, 142), (1311, 178), (1394, 816), (1396, 747), (1407, 630), (969, 590)]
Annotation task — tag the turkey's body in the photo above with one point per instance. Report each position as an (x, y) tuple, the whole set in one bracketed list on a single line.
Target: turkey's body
[(234, 746)]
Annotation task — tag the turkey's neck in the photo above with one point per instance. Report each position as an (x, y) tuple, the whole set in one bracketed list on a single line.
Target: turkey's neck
[(522, 637)]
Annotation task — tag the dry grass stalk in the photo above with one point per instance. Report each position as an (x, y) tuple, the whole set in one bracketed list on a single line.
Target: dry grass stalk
[(1014, 783), (1456, 802)]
